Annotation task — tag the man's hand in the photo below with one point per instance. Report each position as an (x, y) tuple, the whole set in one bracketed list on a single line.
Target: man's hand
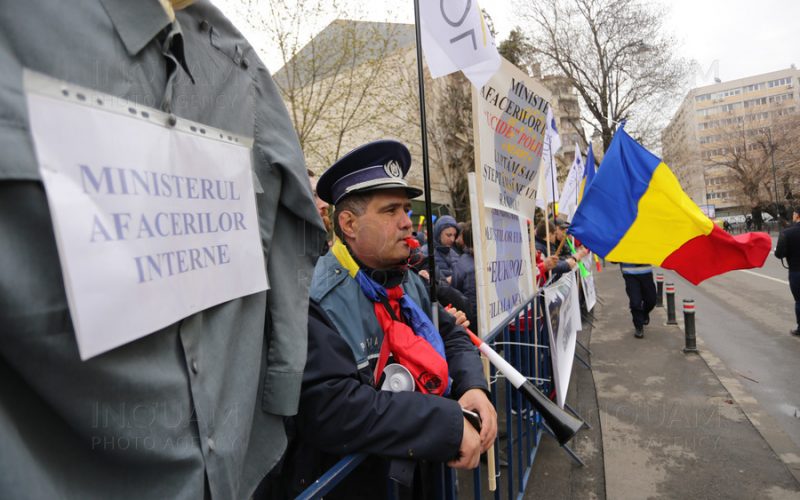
[(469, 453), (550, 262), (459, 316), (476, 400), (425, 274)]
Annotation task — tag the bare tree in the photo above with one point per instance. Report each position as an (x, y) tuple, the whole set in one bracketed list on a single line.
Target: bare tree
[(519, 51), (761, 152), (617, 56), (449, 116), (330, 81), (453, 138)]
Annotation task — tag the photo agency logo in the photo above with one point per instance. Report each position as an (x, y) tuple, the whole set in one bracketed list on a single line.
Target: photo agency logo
[(156, 426), (705, 75), (664, 424)]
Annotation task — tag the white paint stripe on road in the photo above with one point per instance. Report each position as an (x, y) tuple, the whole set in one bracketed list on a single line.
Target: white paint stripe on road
[(764, 276)]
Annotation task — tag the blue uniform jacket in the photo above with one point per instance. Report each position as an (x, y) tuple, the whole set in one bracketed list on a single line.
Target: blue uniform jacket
[(342, 412)]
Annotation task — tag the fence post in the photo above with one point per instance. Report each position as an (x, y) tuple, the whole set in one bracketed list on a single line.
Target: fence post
[(670, 288), (659, 290), (688, 324)]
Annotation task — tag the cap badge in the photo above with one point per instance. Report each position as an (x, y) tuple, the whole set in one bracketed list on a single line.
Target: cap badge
[(392, 169)]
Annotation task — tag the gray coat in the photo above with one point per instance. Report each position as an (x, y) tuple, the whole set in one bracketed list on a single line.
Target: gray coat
[(194, 410)]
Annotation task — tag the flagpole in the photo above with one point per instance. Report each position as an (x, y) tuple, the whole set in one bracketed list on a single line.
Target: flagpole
[(552, 174), (577, 185), (426, 175)]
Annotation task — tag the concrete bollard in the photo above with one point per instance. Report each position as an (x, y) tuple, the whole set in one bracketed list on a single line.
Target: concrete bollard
[(670, 289), (688, 325), (659, 290)]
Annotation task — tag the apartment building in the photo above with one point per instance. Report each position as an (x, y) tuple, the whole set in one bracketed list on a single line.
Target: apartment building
[(566, 105), (724, 124)]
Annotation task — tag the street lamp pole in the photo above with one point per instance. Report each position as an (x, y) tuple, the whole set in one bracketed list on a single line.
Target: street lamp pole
[(774, 175)]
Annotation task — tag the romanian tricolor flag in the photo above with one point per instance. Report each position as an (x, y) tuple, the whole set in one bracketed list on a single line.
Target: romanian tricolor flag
[(637, 212)]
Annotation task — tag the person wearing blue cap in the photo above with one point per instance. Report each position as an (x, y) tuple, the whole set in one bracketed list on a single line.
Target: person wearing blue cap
[(366, 311), (445, 232)]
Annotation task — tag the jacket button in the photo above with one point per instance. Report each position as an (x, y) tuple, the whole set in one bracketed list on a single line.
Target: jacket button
[(410, 452), (210, 442), (204, 25), (337, 271), (194, 366), (245, 63)]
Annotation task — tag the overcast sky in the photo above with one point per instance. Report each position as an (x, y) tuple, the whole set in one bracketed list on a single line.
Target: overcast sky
[(728, 39)]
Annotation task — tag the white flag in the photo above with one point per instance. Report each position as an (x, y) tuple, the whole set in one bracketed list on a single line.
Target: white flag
[(569, 194), (552, 143), (455, 37)]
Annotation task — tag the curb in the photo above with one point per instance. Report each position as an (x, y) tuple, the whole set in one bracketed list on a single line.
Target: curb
[(781, 444), (773, 434)]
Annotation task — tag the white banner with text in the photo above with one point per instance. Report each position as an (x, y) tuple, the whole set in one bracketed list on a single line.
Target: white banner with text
[(509, 122), (153, 222)]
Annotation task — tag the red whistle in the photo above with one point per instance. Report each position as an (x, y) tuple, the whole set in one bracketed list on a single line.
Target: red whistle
[(411, 242)]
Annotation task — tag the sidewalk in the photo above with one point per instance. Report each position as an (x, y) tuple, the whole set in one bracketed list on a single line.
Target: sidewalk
[(664, 426)]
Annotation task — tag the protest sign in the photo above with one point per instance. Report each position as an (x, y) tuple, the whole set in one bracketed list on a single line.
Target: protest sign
[(509, 121), (154, 219), (563, 320)]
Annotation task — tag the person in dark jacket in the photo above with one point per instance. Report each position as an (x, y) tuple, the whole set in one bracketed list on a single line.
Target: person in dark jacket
[(362, 299), (464, 276), (458, 246), (445, 232), (788, 248), (549, 247), (642, 295), (561, 226)]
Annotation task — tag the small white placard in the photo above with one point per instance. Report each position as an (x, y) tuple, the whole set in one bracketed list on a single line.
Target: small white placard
[(153, 221), (563, 316)]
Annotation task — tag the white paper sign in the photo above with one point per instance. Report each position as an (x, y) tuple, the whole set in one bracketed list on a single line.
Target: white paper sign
[(153, 223), (506, 274), (509, 120), (568, 201), (508, 116), (563, 315)]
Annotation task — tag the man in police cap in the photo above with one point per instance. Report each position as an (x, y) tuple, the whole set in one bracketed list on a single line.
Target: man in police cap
[(367, 310)]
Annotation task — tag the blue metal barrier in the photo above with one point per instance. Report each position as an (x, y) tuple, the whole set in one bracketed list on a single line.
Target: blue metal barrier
[(332, 477), (525, 344)]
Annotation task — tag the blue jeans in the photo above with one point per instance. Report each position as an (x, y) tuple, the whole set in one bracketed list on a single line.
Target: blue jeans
[(794, 286)]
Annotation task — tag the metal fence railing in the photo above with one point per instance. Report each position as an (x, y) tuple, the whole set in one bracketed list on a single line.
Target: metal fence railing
[(524, 343)]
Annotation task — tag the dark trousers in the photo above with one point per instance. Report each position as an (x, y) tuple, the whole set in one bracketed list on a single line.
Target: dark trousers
[(794, 286), (641, 292)]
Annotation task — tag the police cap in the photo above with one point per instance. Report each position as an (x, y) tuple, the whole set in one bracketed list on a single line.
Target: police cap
[(376, 165)]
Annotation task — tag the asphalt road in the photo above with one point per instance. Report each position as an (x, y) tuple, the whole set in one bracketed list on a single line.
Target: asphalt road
[(744, 317)]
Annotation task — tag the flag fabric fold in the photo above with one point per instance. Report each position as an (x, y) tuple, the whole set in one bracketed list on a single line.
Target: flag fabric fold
[(637, 212), (549, 181), (456, 37), (568, 201)]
